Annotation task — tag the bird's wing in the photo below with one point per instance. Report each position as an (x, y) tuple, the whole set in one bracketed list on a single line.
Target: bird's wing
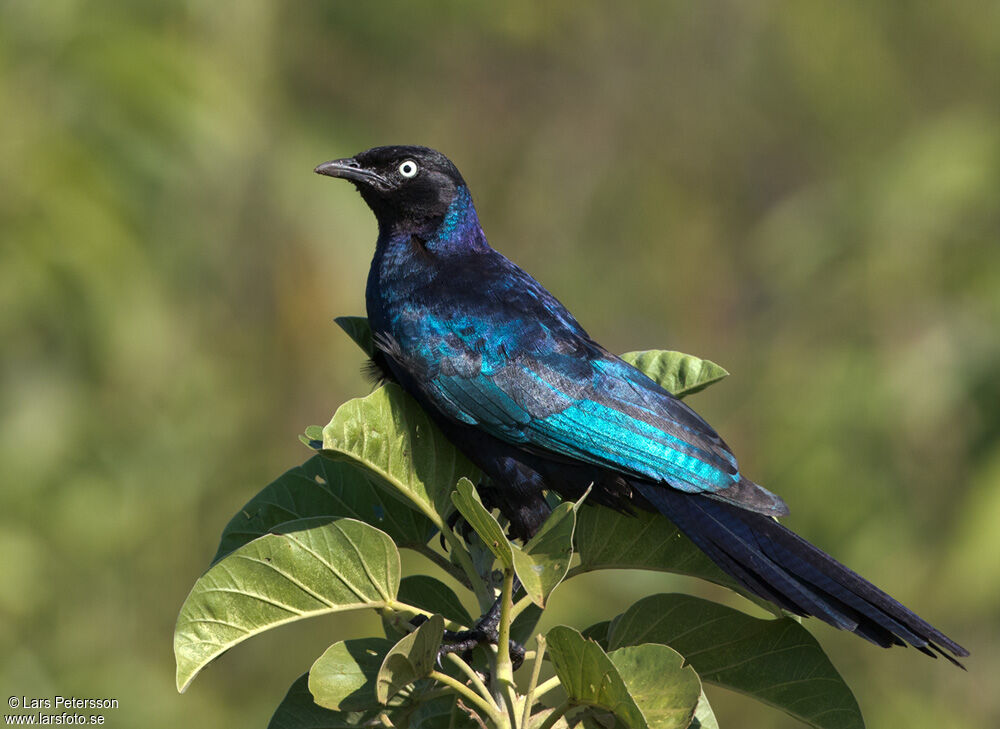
[(552, 390)]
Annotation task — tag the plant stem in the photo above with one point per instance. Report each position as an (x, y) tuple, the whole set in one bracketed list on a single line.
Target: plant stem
[(472, 676), (505, 669), (397, 606), (546, 686), (529, 695), (504, 666), (556, 715), (489, 708)]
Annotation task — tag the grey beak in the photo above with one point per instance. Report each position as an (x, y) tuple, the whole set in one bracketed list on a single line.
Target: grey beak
[(350, 169)]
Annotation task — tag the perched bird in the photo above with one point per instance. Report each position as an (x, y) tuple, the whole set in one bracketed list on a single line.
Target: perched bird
[(519, 387)]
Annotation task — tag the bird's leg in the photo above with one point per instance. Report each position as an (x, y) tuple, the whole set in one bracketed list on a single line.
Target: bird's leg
[(486, 630)]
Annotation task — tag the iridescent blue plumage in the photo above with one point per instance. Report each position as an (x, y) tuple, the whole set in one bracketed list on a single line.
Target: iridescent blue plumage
[(519, 386), (486, 345)]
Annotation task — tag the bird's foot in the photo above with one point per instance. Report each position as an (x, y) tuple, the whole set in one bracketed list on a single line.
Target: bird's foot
[(484, 632), (464, 642)]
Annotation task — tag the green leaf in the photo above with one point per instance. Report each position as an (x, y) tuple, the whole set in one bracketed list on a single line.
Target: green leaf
[(343, 678), (391, 436), (590, 718), (598, 632), (307, 567), (433, 596), (467, 502), (358, 329), (410, 659), (544, 561), (607, 539), (298, 711), (704, 717), (429, 594), (440, 713), (678, 373), (321, 487), (664, 689), (775, 661), (589, 677)]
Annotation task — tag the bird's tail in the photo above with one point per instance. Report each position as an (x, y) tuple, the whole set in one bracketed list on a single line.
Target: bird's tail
[(773, 562)]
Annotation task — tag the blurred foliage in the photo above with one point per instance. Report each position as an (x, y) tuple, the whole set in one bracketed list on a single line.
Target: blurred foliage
[(821, 178)]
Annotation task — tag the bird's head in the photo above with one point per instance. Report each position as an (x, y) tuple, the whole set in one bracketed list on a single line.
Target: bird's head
[(408, 188)]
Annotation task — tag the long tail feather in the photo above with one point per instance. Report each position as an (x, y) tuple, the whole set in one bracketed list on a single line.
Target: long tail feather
[(773, 562)]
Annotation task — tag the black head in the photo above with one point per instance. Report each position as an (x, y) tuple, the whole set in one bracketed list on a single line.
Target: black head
[(408, 188)]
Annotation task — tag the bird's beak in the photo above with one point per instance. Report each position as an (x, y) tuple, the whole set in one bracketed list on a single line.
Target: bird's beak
[(350, 169)]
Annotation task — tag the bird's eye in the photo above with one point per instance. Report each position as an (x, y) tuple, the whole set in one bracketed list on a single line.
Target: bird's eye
[(408, 168)]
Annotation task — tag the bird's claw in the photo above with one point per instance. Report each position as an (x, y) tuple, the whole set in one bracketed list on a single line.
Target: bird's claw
[(464, 641), (486, 630)]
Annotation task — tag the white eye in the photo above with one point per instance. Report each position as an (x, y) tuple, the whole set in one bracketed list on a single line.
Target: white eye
[(408, 168)]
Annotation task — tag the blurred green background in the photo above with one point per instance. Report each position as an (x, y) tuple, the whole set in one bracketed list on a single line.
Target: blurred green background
[(806, 193)]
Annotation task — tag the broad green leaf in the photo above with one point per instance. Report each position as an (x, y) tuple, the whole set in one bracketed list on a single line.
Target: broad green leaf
[(704, 717), (343, 678), (307, 567), (598, 632), (544, 561), (433, 596), (410, 659), (467, 502), (607, 539), (391, 436), (359, 330), (589, 677), (440, 713), (678, 373), (774, 661), (665, 690), (298, 711), (321, 487)]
